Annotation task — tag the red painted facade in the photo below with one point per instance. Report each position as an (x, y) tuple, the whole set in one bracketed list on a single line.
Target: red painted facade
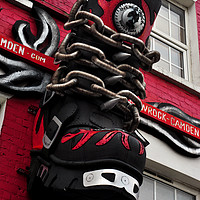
[(15, 138), (15, 146)]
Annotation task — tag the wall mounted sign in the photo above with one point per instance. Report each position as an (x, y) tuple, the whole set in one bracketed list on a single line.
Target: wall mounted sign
[(26, 64), (165, 118), (25, 53)]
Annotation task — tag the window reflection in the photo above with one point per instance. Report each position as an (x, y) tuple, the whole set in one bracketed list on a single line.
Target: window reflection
[(171, 21), (153, 189)]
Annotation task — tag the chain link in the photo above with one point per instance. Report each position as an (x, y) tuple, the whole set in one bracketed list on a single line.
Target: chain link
[(80, 46), (87, 84), (117, 40), (108, 67)]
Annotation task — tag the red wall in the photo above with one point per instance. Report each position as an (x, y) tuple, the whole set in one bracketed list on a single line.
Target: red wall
[(15, 146), (159, 90), (64, 5), (15, 138), (10, 14)]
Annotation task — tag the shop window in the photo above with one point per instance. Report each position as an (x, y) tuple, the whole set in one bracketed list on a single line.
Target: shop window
[(171, 36), (153, 189)]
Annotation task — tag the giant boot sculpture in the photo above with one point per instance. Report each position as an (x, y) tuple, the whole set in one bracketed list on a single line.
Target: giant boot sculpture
[(85, 142)]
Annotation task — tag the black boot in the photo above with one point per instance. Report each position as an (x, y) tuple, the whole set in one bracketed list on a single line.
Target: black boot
[(86, 145)]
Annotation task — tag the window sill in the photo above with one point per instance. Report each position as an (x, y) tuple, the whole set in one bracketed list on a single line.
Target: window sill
[(176, 80), (186, 3)]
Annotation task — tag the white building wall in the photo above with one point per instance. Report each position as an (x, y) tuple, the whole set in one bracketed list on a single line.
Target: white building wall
[(166, 162)]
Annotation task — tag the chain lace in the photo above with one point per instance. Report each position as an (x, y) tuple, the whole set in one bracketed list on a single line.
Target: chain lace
[(131, 78)]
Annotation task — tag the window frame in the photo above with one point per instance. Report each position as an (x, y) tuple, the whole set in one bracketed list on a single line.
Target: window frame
[(191, 82), (184, 51), (186, 25), (157, 34), (175, 185)]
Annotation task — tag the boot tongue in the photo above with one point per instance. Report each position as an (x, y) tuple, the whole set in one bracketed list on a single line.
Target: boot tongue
[(133, 17)]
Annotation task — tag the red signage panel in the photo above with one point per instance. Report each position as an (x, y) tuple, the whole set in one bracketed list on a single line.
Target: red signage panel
[(27, 54), (171, 121)]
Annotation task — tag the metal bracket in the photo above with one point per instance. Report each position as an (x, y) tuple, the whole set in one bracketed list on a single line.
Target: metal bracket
[(33, 109), (23, 172)]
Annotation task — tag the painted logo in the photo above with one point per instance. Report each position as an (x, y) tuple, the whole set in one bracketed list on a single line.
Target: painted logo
[(129, 19)]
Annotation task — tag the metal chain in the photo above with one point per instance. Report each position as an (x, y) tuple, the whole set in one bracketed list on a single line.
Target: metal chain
[(87, 84), (116, 40)]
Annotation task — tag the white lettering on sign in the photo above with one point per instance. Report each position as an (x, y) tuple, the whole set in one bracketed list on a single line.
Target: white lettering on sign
[(20, 50), (3, 42), (154, 112), (39, 58), (185, 127), (27, 54), (170, 120), (12, 46)]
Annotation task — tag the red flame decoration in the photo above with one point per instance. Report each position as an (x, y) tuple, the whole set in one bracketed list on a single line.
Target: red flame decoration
[(87, 134)]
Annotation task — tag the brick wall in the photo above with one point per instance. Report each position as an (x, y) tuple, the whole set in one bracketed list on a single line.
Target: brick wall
[(15, 146), (159, 90), (63, 5), (15, 138), (10, 14)]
